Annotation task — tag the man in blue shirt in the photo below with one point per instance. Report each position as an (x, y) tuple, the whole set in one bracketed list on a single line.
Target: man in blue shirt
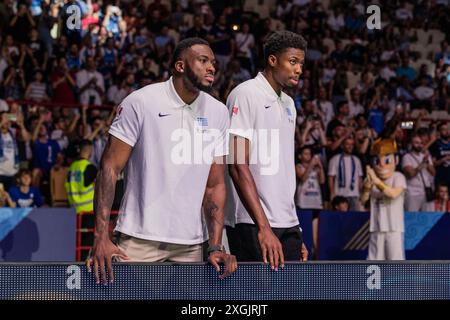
[(45, 152), (440, 151)]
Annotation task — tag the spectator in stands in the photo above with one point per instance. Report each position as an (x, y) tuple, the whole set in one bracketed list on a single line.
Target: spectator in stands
[(90, 84), (354, 104), (5, 198), (345, 175), (45, 151), (236, 72), (310, 176), (245, 42), (21, 23), (340, 204), (442, 202), (63, 130), (419, 171), (338, 135), (440, 151), (63, 83), (9, 150), (406, 71), (14, 84), (341, 119), (73, 58), (37, 90), (23, 194), (98, 134), (313, 136), (324, 107), (197, 29), (222, 41), (36, 51)]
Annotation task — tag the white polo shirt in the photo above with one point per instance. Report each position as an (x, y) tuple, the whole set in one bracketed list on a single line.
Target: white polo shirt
[(268, 121), (166, 175)]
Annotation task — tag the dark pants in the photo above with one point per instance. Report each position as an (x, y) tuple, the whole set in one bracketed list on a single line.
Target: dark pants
[(244, 244)]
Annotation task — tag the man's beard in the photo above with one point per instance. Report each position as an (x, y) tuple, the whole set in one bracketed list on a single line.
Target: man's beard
[(417, 150), (190, 75), (446, 137)]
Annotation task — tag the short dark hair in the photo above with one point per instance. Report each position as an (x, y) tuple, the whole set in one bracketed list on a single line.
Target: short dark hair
[(338, 200), (185, 44), (441, 124), (85, 143), (282, 40), (441, 185), (340, 104)]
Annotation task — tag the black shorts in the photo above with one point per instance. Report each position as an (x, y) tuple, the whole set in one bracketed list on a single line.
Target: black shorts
[(244, 244)]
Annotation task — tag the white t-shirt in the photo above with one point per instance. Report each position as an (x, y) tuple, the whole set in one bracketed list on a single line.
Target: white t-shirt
[(355, 108), (244, 43), (60, 137), (7, 163), (308, 194), (333, 170), (268, 122), (423, 92), (416, 184), (165, 176), (327, 108), (387, 215)]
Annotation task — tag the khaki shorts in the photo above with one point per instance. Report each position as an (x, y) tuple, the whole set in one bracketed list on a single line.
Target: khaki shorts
[(141, 250)]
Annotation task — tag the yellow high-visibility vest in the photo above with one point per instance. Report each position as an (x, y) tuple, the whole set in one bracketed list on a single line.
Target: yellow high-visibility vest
[(79, 196)]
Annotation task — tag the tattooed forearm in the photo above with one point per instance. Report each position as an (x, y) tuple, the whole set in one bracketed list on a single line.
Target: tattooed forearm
[(105, 187), (214, 217)]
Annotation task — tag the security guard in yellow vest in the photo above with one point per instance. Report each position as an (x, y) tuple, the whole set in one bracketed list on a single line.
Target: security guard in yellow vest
[(80, 180)]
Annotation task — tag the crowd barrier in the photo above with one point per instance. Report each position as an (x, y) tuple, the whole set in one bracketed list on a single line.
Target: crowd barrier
[(59, 234)]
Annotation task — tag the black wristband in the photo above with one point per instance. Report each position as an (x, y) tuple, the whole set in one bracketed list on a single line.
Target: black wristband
[(217, 247)]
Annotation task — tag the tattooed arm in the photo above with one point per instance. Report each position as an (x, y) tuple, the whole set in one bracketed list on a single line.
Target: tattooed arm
[(214, 203), (114, 158), (213, 208)]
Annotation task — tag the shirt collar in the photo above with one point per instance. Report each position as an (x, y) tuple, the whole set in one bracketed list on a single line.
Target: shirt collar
[(265, 85), (176, 99), (173, 95)]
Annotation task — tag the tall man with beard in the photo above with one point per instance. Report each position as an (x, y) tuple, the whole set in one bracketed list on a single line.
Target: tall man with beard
[(160, 217), (419, 171)]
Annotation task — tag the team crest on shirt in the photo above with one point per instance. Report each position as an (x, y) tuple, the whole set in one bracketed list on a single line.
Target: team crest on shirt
[(118, 112), (235, 110), (290, 115), (202, 121)]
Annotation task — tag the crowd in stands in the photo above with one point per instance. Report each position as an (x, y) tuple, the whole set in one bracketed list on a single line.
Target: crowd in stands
[(60, 85)]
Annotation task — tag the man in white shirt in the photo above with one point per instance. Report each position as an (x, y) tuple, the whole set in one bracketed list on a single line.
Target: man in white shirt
[(90, 84), (170, 179), (345, 175), (9, 150), (354, 103), (424, 91), (386, 189), (324, 106), (419, 171), (261, 218)]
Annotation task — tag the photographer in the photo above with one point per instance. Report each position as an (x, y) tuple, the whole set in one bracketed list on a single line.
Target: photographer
[(313, 135)]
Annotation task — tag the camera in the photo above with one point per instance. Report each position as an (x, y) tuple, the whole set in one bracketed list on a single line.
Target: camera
[(408, 125), (115, 10)]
